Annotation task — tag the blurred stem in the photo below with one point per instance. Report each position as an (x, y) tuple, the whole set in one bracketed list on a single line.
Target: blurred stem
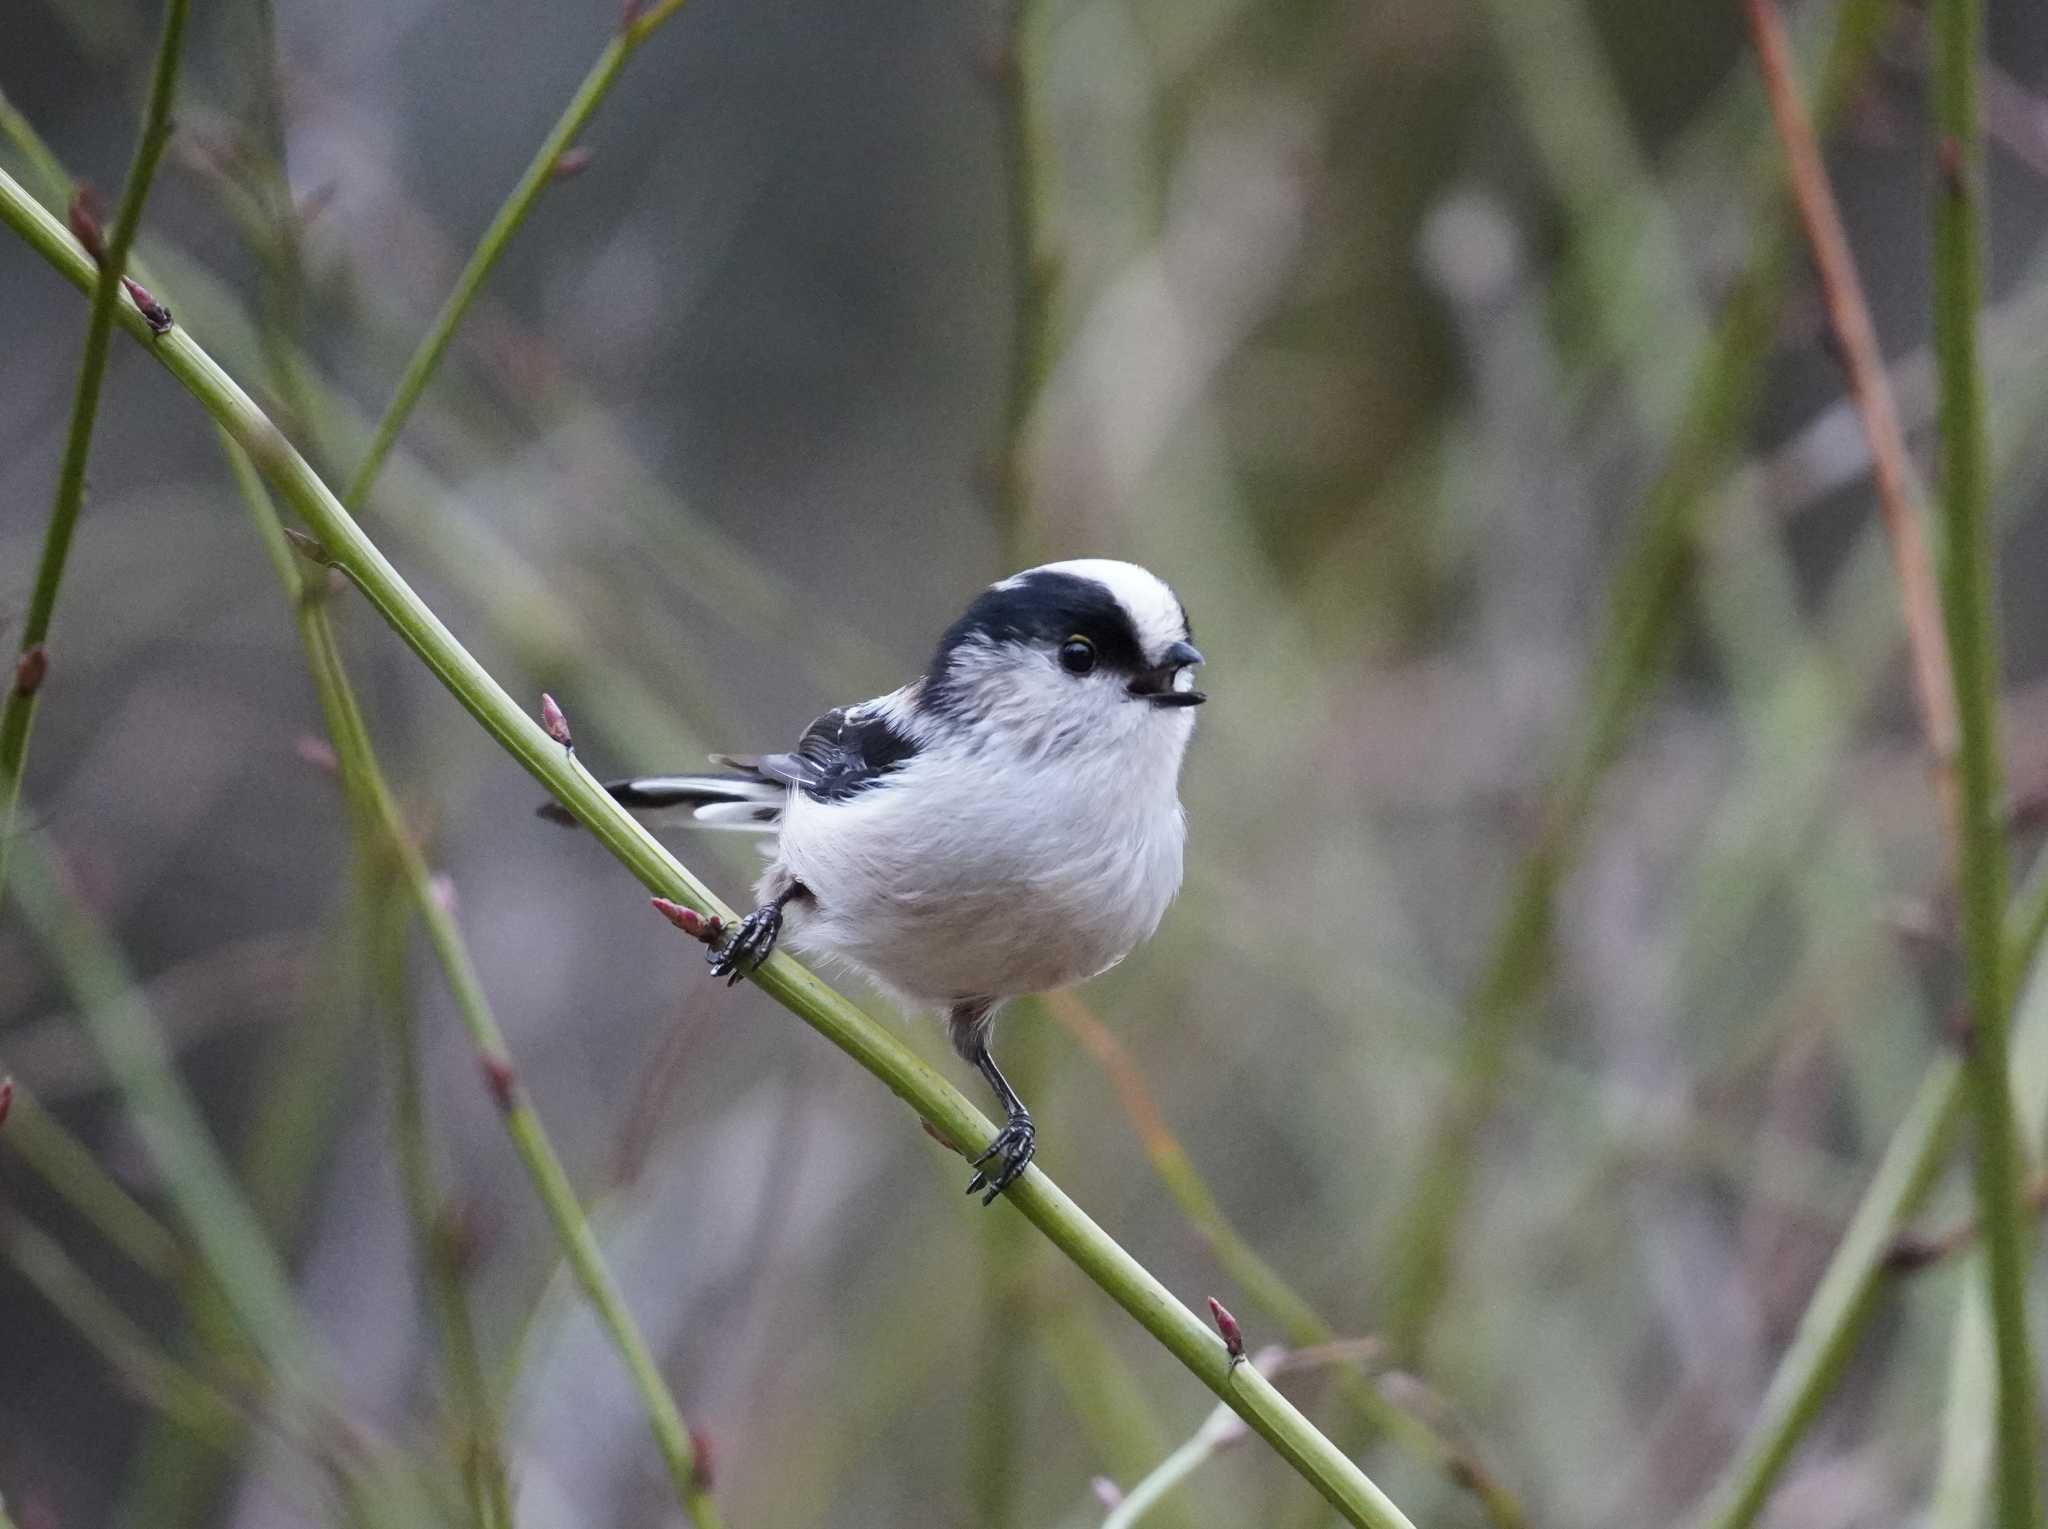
[(1844, 1298), (999, 1430), (634, 29), (131, 1046), (436, 1237), (1967, 601), (1267, 1288), (1828, 1329), (371, 796), (1034, 263), (189, 1402), (17, 709), (1110, 1403), (999, 1440), (67, 1165), (1219, 1429), (1644, 602), (873, 1045)]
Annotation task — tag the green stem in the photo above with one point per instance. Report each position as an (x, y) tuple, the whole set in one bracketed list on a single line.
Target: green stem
[(371, 795), (17, 711), (1967, 607), (189, 1401), (868, 1042), (539, 172), (131, 1045), (1833, 1320), (64, 1162), (482, 1459), (1844, 1299)]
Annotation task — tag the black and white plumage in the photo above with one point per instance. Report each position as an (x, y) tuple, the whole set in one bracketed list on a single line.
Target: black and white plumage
[(1006, 824)]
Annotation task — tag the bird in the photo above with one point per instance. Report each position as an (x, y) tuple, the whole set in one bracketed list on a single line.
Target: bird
[(1007, 823)]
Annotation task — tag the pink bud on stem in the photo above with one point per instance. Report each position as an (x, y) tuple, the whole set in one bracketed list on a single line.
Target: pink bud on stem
[(1226, 1324)]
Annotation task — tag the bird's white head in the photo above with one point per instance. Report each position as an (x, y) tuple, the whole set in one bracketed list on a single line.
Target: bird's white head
[(1085, 655)]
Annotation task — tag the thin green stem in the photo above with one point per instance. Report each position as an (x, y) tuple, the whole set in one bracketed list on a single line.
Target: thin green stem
[(1973, 651), (373, 801), (1220, 1429), (191, 1402), (17, 710), (1833, 1320), (873, 1045), (436, 1244), (539, 172), (1844, 1299), (67, 1165)]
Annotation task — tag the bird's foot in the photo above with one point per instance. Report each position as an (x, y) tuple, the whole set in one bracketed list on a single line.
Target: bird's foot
[(1013, 1148), (748, 945)]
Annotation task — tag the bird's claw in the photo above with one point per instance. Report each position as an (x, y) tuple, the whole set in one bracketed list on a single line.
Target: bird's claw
[(1013, 1148), (747, 946)]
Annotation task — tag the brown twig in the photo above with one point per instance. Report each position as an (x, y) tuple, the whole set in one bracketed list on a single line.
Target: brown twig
[(1898, 491)]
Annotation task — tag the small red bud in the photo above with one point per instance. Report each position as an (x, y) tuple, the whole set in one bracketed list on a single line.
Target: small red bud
[(1107, 1493), (442, 885), (571, 161), (702, 1460), (629, 14), (86, 218), (154, 313), (698, 926), (554, 723), (31, 669), (6, 1098), (500, 1080), (1226, 1324), (940, 1137)]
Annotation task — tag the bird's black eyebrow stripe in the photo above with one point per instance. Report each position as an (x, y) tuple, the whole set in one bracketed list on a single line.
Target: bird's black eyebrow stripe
[(1038, 610)]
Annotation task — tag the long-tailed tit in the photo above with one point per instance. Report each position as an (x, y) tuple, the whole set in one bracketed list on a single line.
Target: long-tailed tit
[(1008, 823)]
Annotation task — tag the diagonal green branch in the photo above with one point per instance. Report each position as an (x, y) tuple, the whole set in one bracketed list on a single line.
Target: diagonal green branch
[(17, 710), (871, 1044), (634, 29)]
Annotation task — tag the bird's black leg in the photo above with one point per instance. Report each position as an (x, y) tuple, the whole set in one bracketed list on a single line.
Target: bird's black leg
[(752, 938), (1015, 1142)]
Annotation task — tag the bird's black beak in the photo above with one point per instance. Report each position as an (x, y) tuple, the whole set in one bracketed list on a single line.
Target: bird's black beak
[(1170, 682)]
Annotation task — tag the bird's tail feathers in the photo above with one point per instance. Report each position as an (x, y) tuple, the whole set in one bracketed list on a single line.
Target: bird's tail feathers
[(742, 803)]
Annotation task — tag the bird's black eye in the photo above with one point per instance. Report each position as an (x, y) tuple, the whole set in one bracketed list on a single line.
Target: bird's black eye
[(1077, 655)]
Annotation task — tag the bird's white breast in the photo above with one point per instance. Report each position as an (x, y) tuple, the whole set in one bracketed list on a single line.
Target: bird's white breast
[(993, 867)]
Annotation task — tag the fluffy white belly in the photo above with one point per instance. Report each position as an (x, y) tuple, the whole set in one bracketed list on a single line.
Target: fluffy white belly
[(942, 895)]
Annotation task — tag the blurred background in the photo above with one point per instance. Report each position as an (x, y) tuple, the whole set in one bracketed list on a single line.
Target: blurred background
[(1564, 935)]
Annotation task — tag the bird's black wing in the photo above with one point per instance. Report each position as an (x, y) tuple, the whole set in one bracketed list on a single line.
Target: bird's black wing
[(845, 752)]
